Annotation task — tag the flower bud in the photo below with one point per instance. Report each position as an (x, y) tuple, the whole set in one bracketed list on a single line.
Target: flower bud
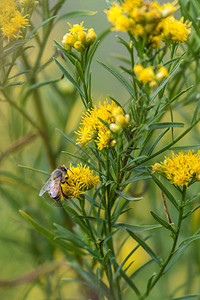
[(90, 37), (79, 46), (113, 143), (82, 37), (163, 73), (114, 127)]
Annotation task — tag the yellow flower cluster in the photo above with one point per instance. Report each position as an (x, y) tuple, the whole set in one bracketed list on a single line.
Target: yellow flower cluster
[(181, 168), (148, 20), (78, 180), (147, 75), (93, 128), (11, 19), (78, 38)]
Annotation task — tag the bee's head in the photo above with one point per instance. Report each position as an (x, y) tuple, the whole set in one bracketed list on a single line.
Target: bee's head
[(63, 168)]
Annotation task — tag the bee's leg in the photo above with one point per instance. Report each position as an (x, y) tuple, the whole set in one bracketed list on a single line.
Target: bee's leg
[(63, 192), (65, 181)]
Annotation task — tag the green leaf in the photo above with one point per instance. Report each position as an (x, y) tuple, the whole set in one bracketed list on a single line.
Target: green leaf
[(141, 268), (120, 78), (124, 261), (136, 178), (150, 282), (80, 71), (127, 197), (69, 77), (182, 247), (166, 125), (78, 13), (66, 234), (34, 170), (74, 215), (157, 141), (42, 83), (69, 236), (191, 211), (144, 246), (49, 235), (126, 278), (162, 222), (68, 55), (164, 83), (165, 190), (76, 145), (90, 278), (40, 25), (136, 228), (20, 73)]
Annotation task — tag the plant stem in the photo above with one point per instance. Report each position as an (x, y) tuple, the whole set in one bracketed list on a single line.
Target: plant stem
[(167, 260)]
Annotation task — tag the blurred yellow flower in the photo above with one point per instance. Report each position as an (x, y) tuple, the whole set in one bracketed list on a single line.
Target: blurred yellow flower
[(145, 75), (78, 38), (181, 168), (174, 30), (11, 20), (150, 20), (78, 180)]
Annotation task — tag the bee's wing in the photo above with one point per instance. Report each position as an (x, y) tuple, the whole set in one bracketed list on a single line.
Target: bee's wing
[(54, 187), (45, 187)]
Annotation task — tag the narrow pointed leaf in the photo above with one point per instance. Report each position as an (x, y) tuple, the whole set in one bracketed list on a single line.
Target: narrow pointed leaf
[(49, 235), (127, 279), (182, 247), (127, 197), (69, 77), (144, 246), (78, 13), (121, 79), (165, 190), (162, 222), (136, 228), (166, 125)]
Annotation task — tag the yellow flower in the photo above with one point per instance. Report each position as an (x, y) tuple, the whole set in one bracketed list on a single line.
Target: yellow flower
[(163, 73), (11, 20), (130, 5), (93, 129), (78, 180), (150, 20), (166, 9), (181, 168), (78, 38), (146, 75), (75, 29), (174, 30)]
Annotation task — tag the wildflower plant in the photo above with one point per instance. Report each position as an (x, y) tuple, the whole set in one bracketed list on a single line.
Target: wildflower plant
[(117, 147)]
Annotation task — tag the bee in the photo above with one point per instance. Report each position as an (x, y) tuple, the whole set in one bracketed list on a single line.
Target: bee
[(53, 183)]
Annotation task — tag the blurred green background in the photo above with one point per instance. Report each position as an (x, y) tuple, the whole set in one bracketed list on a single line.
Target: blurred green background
[(24, 251)]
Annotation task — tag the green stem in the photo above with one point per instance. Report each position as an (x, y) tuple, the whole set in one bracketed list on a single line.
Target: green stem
[(167, 260)]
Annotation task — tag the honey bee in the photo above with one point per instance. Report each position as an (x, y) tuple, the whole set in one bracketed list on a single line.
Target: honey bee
[(53, 183)]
